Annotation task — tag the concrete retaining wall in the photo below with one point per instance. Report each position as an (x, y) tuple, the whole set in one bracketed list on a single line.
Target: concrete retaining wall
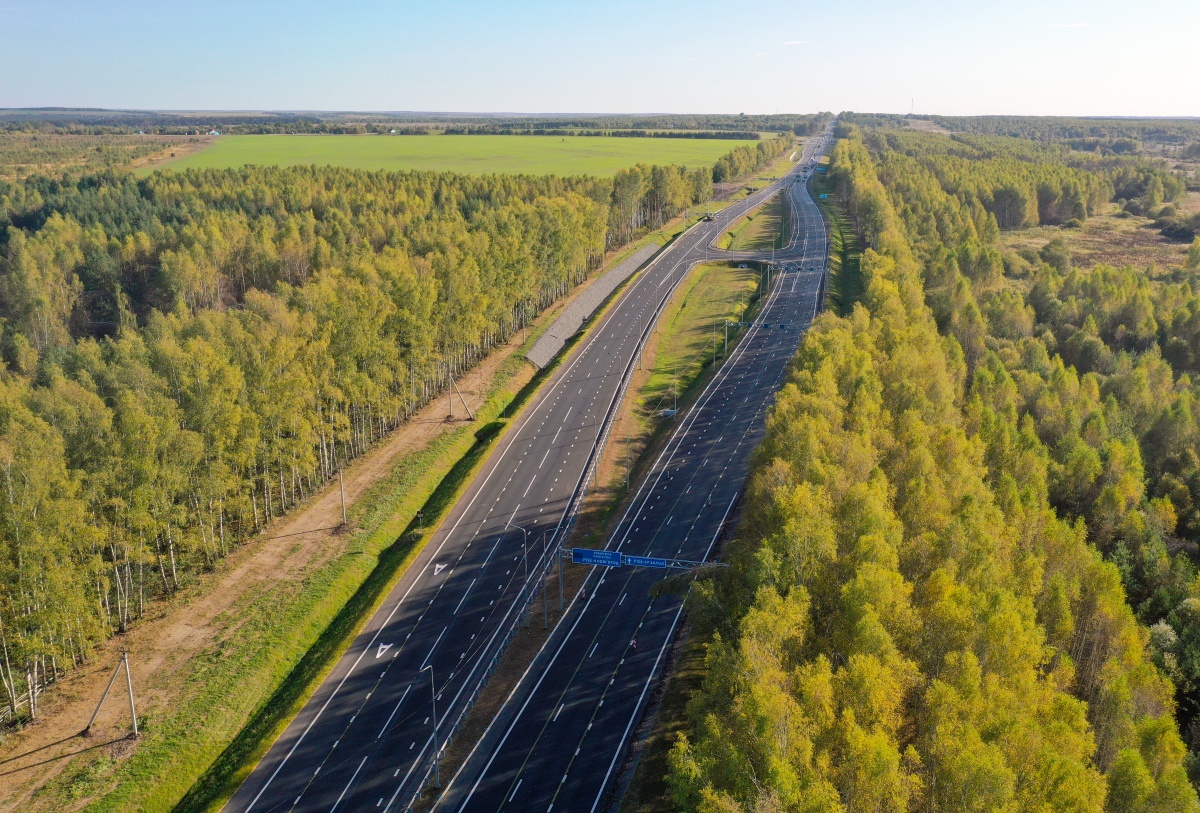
[(584, 305)]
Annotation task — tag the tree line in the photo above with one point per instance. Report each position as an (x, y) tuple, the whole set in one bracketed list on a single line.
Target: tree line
[(188, 355), (1118, 134), (24, 154), (958, 516), (100, 122)]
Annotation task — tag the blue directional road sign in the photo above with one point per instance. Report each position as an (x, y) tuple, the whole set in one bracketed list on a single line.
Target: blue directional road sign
[(587, 556), (645, 561)]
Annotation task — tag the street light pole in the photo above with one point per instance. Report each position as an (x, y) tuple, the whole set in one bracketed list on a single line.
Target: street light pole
[(525, 557), (437, 771)]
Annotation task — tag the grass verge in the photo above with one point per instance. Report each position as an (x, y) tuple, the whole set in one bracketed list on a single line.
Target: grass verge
[(845, 251), (758, 230), (690, 330)]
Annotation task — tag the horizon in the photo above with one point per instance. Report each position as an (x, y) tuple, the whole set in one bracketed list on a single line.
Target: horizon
[(566, 113)]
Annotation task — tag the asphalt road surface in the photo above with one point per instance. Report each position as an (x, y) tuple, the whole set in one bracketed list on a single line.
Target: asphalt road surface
[(561, 741), (365, 740)]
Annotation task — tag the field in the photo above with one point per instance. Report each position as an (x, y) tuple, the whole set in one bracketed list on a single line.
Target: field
[(23, 154), (473, 154), (1111, 238)]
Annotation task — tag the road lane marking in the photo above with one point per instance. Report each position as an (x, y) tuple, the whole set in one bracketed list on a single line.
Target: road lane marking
[(464, 597), (383, 730), (348, 784), (432, 648)]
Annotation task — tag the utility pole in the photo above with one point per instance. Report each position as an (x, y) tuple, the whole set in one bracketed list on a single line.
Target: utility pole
[(342, 493), (129, 685), (525, 556), (466, 406)]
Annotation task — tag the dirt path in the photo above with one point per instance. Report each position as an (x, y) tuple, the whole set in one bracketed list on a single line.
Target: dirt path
[(205, 613)]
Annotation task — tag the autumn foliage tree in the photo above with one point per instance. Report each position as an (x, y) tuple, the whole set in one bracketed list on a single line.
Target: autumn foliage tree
[(913, 619)]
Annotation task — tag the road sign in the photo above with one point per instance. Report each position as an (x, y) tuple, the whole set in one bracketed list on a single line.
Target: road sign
[(588, 556), (645, 561), (823, 197)]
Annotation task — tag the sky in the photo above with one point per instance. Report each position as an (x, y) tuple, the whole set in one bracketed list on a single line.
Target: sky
[(1032, 57)]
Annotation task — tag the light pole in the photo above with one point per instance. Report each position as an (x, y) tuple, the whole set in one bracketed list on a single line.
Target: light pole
[(525, 556), (437, 774), (545, 589)]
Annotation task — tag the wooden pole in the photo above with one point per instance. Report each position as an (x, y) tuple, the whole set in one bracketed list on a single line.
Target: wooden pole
[(129, 683), (342, 493), (103, 697), (464, 400)]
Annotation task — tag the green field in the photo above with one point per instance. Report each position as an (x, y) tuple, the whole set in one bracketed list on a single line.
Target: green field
[(474, 154)]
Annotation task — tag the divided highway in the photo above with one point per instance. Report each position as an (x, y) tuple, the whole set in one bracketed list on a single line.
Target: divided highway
[(365, 740), (561, 741)]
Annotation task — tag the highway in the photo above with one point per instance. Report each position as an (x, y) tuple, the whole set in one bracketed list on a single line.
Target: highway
[(365, 739), (561, 741)]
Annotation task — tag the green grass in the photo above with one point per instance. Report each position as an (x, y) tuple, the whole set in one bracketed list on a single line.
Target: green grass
[(690, 324), (475, 154), (759, 230), (845, 250)]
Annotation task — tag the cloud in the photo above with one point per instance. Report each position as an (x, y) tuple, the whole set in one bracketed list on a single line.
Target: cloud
[(1071, 25), (796, 42)]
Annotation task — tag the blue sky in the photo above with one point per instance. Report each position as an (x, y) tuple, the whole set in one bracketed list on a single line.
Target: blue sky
[(1053, 57)]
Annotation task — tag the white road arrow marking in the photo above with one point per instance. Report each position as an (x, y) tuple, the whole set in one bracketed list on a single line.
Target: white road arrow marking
[(438, 569), (383, 648)]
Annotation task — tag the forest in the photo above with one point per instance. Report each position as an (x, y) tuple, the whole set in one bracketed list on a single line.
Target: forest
[(116, 122), (966, 575), (189, 354), (1051, 128)]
